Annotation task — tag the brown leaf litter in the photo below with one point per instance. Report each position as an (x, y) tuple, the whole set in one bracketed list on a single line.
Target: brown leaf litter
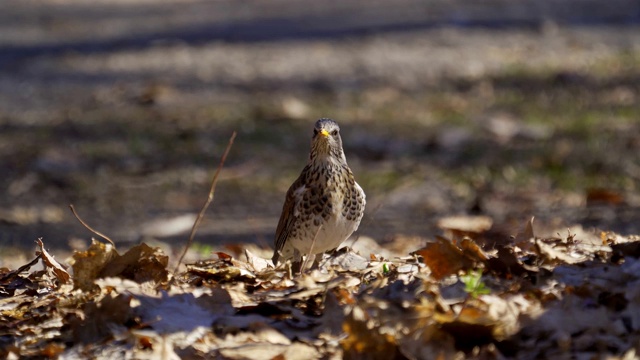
[(571, 296)]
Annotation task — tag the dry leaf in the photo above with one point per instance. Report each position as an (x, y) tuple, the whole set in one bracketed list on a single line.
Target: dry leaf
[(551, 253), (257, 263), (472, 250), (457, 227), (472, 327), (444, 258), (506, 263), (223, 256), (523, 238), (391, 311), (183, 312), (363, 340), (99, 320), (61, 274), (141, 263), (348, 260), (87, 265), (219, 271), (158, 346), (599, 196), (466, 223)]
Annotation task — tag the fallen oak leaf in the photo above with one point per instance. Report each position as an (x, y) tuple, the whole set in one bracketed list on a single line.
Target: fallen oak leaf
[(87, 265), (444, 258), (61, 274), (141, 263)]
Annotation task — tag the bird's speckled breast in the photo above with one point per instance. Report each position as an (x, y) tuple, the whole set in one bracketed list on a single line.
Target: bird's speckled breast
[(332, 198)]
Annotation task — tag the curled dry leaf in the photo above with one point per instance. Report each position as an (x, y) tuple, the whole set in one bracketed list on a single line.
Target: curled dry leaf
[(524, 238), (257, 263), (61, 274)]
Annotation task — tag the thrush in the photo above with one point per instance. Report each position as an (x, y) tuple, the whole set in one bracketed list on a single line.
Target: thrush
[(324, 205)]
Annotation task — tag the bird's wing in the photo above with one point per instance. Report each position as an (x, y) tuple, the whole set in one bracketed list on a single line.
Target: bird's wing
[(361, 199), (290, 211)]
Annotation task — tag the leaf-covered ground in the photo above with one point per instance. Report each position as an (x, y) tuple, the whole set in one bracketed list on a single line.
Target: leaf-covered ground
[(475, 292), (125, 120)]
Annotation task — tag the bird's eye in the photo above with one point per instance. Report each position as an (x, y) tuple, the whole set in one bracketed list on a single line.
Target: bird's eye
[(315, 132), (334, 132)]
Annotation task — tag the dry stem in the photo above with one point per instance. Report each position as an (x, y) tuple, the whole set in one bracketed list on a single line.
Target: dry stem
[(73, 210), (212, 190)]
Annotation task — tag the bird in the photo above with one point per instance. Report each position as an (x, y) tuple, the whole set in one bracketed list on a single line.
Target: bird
[(324, 205)]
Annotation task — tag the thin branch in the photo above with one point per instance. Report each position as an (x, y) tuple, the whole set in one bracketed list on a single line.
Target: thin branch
[(212, 190), (73, 210)]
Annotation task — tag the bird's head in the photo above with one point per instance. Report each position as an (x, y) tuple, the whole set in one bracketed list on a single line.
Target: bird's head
[(326, 141)]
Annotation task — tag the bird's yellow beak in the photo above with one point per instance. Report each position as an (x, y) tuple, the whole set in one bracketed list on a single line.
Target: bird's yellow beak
[(324, 133)]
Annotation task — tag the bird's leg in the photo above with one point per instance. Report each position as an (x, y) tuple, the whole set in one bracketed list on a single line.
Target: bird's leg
[(297, 264), (311, 254), (312, 260)]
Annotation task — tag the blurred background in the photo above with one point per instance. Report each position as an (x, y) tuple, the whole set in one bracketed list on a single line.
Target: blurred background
[(500, 108)]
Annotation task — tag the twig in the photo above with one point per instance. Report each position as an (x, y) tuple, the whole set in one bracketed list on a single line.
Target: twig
[(212, 190), (73, 210)]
